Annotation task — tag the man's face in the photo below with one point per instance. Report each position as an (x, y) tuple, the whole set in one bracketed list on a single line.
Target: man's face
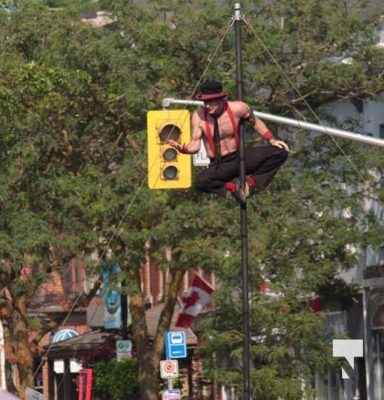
[(214, 106)]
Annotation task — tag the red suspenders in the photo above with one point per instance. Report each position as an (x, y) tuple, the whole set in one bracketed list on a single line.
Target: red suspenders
[(209, 132)]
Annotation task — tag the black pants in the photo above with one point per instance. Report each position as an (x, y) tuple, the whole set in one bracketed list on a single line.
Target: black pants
[(261, 163)]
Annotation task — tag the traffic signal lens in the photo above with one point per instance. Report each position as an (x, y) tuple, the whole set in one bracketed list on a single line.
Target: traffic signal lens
[(170, 154), (170, 172), (168, 132)]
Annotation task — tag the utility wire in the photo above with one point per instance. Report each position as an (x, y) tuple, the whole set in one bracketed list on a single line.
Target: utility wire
[(295, 88), (211, 59), (133, 200)]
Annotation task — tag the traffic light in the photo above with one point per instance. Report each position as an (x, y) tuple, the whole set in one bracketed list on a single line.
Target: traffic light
[(167, 168)]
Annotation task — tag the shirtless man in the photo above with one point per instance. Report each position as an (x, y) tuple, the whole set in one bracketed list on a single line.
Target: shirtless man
[(222, 175)]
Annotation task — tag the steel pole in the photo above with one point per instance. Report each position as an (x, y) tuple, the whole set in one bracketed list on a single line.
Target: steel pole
[(367, 340), (322, 129), (328, 130), (243, 214)]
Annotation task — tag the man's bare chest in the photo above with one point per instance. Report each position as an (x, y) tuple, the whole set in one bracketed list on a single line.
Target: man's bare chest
[(225, 124)]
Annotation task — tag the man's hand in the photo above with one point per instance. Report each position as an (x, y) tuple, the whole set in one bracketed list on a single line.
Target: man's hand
[(175, 145), (183, 149), (279, 143)]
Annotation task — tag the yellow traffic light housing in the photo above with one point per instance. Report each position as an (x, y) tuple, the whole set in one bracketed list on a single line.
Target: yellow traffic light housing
[(167, 168)]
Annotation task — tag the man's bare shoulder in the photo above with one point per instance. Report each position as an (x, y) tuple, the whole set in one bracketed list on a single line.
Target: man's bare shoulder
[(198, 114), (239, 108), (198, 117)]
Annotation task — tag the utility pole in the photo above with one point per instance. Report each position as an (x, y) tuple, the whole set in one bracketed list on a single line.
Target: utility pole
[(167, 102), (243, 214), (124, 316)]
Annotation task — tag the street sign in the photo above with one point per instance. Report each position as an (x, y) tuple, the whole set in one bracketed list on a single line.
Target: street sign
[(123, 349), (171, 394), (200, 159), (175, 345), (169, 369)]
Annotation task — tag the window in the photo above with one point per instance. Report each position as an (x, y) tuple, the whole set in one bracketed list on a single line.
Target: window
[(381, 131)]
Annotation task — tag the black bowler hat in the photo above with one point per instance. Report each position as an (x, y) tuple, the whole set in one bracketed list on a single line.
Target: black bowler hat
[(211, 89)]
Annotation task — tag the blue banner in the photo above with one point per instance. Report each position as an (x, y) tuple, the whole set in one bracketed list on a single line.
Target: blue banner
[(112, 297)]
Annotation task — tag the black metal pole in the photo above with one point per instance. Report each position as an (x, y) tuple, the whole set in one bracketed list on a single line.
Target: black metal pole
[(243, 214), (124, 316)]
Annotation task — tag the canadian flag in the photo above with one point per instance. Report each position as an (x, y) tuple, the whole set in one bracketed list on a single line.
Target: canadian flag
[(197, 297)]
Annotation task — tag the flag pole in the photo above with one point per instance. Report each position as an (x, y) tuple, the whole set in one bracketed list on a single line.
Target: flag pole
[(243, 214)]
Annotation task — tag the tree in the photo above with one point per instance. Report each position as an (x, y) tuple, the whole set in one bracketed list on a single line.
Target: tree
[(73, 103), (68, 171), (112, 379)]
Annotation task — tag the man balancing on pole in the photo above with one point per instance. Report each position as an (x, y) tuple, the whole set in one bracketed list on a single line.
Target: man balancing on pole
[(217, 124)]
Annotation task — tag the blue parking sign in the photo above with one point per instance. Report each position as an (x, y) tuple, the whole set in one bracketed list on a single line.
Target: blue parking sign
[(175, 345)]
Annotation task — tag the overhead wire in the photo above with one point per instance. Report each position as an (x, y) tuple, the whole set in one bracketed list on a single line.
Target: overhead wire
[(123, 217), (301, 95), (92, 271), (211, 58), (297, 90)]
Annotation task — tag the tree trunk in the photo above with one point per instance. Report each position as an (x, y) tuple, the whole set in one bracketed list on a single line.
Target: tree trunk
[(149, 361), (23, 350), (10, 357), (23, 355)]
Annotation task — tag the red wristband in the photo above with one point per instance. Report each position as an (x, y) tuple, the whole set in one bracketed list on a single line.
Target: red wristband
[(184, 149), (267, 135)]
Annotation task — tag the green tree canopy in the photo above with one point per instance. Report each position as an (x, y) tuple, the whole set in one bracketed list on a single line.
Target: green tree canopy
[(73, 103)]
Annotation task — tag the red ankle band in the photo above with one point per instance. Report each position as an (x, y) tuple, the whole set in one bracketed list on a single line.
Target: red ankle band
[(231, 186), (251, 181)]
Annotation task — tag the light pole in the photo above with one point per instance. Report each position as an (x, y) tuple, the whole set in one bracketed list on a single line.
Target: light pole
[(243, 215)]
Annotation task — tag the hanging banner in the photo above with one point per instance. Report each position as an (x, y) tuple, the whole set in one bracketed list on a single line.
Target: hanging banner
[(112, 296)]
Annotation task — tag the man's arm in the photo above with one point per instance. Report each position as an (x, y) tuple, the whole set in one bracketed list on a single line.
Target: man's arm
[(194, 145), (263, 130)]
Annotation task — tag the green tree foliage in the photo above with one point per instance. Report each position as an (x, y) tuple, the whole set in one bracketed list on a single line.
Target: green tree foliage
[(299, 236), (111, 379), (73, 103), (115, 380)]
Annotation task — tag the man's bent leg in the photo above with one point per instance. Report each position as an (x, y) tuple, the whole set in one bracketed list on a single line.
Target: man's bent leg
[(262, 164), (207, 181), (217, 178)]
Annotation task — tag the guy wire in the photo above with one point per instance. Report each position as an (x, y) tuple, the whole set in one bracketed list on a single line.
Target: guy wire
[(136, 193), (294, 87)]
